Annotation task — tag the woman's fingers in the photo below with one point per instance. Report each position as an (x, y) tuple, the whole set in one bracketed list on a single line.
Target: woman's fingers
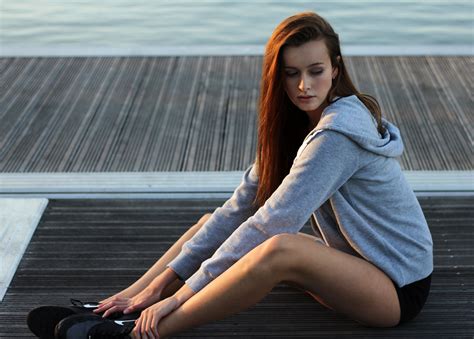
[(112, 310), (130, 309), (109, 299), (138, 326), (133, 307), (148, 334), (102, 307), (154, 326), (143, 326), (137, 305), (148, 325), (113, 306)]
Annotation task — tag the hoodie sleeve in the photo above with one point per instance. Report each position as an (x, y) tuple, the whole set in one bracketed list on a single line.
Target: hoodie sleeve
[(324, 162), (218, 227)]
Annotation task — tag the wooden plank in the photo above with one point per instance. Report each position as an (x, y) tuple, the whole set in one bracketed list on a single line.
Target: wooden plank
[(74, 249), (198, 113)]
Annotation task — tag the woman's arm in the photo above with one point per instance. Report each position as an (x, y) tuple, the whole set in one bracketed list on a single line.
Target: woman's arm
[(222, 223), (168, 276)]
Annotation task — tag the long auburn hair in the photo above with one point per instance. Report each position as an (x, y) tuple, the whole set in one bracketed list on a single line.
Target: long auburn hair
[(282, 126)]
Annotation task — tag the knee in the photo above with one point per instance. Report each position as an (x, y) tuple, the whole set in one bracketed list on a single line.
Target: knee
[(273, 250), (277, 243), (289, 244)]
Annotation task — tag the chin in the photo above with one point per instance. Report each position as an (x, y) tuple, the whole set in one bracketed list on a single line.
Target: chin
[(311, 108)]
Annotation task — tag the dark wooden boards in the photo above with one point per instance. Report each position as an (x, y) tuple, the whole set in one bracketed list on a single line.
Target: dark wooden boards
[(89, 249), (102, 114)]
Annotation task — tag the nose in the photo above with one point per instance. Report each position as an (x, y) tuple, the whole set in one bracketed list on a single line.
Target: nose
[(304, 83)]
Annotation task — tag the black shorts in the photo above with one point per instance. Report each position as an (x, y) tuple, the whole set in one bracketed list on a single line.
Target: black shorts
[(412, 298)]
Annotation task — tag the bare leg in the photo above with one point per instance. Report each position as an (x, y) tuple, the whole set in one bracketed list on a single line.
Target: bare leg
[(240, 287), (348, 284)]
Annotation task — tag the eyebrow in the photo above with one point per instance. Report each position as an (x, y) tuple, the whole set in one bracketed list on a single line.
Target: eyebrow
[(313, 64)]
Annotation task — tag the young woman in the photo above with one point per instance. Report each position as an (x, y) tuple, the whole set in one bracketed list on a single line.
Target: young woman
[(324, 152)]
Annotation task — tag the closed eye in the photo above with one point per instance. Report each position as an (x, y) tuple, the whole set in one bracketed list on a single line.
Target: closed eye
[(291, 74)]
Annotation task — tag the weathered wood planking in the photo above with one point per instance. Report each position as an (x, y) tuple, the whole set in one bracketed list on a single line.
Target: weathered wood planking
[(89, 249), (100, 114)]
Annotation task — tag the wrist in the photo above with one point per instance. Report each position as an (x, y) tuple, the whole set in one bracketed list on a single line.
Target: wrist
[(170, 275), (157, 285), (183, 294), (164, 279)]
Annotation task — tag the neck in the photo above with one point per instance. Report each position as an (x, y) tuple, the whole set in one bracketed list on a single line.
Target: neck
[(314, 119)]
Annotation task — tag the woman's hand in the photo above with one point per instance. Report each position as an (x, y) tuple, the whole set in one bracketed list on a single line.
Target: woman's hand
[(145, 298), (147, 325)]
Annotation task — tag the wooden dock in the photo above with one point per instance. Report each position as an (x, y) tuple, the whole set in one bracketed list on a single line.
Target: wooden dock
[(62, 115), (191, 113), (88, 249)]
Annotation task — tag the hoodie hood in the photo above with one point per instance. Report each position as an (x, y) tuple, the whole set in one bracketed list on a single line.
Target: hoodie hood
[(349, 116)]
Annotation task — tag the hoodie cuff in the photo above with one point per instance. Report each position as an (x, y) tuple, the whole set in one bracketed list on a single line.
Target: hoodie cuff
[(183, 265), (198, 281)]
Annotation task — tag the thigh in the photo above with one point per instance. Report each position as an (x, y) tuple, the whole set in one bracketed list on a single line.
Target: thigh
[(345, 283), (295, 285)]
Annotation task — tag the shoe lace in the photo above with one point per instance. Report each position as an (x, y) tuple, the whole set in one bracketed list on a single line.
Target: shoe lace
[(76, 302)]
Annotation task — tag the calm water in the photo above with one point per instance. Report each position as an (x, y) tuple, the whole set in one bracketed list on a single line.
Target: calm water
[(126, 23)]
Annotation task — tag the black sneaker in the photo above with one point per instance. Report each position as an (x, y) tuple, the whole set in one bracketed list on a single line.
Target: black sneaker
[(117, 329), (42, 320), (81, 326)]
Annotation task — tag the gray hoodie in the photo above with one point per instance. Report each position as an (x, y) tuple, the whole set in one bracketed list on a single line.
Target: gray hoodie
[(346, 178)]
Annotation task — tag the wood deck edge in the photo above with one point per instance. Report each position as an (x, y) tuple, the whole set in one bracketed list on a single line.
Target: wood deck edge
[(219, 184)]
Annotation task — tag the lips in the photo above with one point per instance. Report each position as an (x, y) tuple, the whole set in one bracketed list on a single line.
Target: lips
[(306, 97)]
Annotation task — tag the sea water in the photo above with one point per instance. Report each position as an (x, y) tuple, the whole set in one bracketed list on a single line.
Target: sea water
[(137, 23)]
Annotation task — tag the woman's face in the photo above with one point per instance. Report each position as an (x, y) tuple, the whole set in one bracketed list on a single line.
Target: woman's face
[(308, 75)]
